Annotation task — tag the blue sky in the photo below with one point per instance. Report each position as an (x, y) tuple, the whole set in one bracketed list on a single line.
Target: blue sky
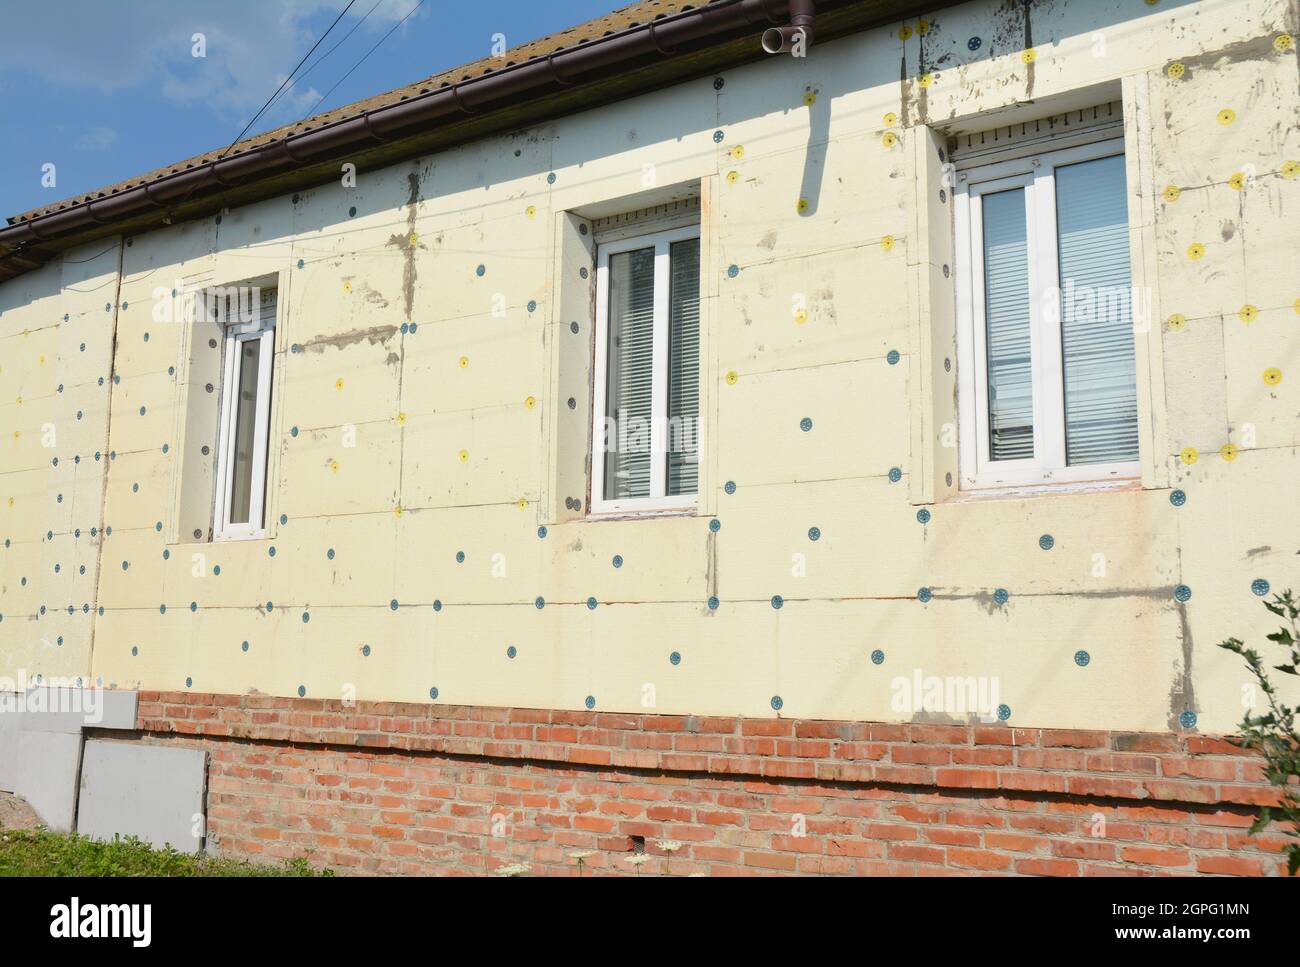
[(107, 90)]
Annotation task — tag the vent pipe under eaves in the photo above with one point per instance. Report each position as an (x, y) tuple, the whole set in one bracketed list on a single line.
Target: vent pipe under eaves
[(803, 18)]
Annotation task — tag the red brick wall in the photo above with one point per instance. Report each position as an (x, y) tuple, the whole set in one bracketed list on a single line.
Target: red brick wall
[(383, 787)]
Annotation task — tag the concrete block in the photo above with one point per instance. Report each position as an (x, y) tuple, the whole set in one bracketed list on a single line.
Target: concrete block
[(10, 716), (151, 792), (72, 709), (46, 775)]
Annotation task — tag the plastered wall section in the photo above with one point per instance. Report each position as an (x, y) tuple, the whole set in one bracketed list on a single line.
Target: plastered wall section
[(434, 321)]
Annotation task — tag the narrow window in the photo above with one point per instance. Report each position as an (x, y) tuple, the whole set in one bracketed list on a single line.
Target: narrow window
[(1048, 383), (248, 316), (647, 380)]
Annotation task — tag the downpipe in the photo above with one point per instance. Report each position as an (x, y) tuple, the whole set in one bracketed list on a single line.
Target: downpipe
[(797, 33)]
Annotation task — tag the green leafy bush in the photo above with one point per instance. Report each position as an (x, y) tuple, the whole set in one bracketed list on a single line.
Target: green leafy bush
[(1273, 733)]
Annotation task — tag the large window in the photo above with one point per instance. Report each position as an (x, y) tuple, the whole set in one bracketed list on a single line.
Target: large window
[(1045, 328), (647, 376), (248, 316)]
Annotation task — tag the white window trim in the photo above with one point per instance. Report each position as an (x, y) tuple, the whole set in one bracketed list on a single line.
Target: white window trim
[(658, 501), (237, 333), (1037, 174)]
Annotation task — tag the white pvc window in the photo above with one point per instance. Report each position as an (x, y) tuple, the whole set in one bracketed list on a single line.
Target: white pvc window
[(240, 506), (1048, 386), (646, 410)]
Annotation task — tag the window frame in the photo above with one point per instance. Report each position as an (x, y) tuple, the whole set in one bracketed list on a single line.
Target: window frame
[(656, 503), (237, 333), (1036, 174)]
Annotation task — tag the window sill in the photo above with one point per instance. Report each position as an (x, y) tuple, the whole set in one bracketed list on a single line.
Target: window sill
[(1020, 491), (237, 538), (632, 513)]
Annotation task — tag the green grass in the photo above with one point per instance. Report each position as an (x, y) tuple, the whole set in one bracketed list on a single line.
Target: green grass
[(39, 852)]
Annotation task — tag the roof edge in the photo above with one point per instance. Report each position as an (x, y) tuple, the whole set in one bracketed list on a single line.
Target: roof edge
[(172, 196)]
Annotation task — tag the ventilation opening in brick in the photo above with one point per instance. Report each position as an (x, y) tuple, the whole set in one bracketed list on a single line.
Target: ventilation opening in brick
[(638, 845)]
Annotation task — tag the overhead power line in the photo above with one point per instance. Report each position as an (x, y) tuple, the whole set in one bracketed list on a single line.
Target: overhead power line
[(317, 62), (363, 58), (287, 79)]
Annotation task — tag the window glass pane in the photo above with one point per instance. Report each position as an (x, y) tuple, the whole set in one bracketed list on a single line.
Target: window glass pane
[(1096, 313), (684, 368), (241, 467), (630, 381), (1006, 314)]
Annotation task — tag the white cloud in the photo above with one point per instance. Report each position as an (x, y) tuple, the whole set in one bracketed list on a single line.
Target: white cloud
[(97, 139), (112, 48)]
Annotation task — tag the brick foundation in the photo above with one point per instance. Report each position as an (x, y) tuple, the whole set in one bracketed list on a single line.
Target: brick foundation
[(419, 789)]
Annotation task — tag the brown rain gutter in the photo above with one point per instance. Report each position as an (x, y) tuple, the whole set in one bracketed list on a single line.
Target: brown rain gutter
[(688, 30)]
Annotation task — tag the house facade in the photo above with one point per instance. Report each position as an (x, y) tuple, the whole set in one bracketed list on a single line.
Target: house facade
[(839, 460)]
